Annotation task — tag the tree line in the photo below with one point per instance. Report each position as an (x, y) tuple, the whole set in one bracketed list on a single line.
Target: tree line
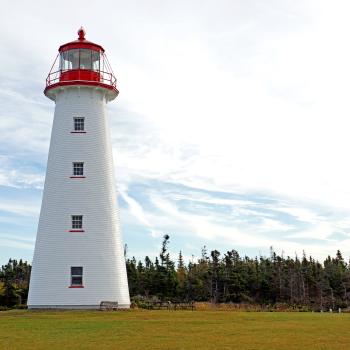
[(231, 278), (14, 283), (218, 278)]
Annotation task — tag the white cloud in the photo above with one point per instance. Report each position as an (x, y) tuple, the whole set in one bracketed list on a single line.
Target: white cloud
[(270, 225), (20, 208), (292, 238), (135, 208), (19, 175), (238, 97), (15, 243), (302, 214)]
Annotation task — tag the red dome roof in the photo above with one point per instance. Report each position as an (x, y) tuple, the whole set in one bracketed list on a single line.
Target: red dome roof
[(81, 43)]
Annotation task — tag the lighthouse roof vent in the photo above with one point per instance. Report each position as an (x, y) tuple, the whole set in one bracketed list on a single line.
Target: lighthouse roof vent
[(81, 43)]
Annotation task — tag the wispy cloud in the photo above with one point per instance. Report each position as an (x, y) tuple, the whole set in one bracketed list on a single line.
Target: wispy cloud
[(15, 243), (20, 174), (262, 222), (222, 129), (20, 209)]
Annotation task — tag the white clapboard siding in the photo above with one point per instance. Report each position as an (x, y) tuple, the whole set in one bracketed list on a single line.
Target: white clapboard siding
[(99, 250)]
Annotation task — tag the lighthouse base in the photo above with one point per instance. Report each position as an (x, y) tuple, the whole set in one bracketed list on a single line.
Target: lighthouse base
[(72, 307)]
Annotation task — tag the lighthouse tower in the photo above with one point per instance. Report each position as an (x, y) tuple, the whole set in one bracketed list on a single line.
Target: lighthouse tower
[(79, 258)]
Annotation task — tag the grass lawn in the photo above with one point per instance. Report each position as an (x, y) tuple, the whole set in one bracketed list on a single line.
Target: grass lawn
[(165, 330)]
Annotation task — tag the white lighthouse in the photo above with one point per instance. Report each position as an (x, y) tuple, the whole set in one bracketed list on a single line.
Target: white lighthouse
[(79, 258)]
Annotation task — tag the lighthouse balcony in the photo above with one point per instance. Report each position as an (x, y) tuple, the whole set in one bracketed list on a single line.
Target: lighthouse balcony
[(81, 75)]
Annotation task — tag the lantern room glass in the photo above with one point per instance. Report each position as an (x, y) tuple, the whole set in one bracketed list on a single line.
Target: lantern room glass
[(80, 59)]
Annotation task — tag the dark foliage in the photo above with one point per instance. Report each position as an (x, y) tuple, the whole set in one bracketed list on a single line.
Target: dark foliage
[(14, 283), (216, 277), (232, 278)]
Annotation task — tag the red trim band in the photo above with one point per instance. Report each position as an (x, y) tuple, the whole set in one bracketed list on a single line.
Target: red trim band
[(77, 177), (76, 231), (76, 287), (78, 132), (82, 83)]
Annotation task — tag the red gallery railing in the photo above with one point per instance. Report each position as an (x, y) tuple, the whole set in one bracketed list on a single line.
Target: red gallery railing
[(103, 76)]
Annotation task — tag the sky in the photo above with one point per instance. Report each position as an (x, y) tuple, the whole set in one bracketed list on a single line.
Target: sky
[(231, 129)]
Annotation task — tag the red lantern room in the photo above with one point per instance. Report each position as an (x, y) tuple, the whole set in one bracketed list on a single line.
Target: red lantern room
[(80, 63)]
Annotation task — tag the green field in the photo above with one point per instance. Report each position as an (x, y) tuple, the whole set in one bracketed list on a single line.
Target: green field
[(138, 329)]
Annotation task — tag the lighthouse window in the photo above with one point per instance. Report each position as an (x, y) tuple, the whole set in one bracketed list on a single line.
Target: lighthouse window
[(80, 59), (70, 59), (78, 169), (78, 124), (77, 221), (64, 64), (85, 59), (95, 56), (73, 58), (76, 275)]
